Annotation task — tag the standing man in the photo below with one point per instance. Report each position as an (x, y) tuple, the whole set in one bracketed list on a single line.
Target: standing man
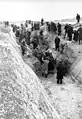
[(75, 37), (60, 72), (59, 29), (42, 22), (57, 43), (66, 28), (69, 32), (78, 18), (80, 34)]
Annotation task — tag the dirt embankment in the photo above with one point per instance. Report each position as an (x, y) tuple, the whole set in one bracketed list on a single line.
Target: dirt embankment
[(22, 96)]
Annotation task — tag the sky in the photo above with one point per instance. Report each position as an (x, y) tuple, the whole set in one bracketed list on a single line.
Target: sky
[(49, 10)]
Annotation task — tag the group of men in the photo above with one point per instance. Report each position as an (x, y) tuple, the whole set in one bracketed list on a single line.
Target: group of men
[(32, 34), (75, 35), (40, 46)]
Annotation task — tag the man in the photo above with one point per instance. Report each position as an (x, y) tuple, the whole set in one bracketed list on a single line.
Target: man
[(78, 18), (27, 37), (66, 27), (53, 27), (59, 29), (57, 43), (42, 22), (17, 33), (75, 38), (41, 37), (51, 64), (23, 47), (60, 72), (21, 36), (44, 69), (80, 34), (69, 32)]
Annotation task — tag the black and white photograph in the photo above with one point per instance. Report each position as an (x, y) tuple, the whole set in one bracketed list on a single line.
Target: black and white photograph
[(40, 59)]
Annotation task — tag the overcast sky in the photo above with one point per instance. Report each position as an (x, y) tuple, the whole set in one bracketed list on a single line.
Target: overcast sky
[(15, 10)]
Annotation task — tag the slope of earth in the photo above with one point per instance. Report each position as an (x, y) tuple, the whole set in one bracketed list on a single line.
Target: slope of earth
[(22, 96)]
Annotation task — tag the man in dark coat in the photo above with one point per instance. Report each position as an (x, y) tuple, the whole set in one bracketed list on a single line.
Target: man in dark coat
[(41, 37), (53, 27), (51, 64), (66, 27), (27, 37), (78, 18), (23, 47), (42, 22), (80, 34), (59, 29), (69, 32), (17, 33), (75, 38), (60, 72), (57, 43)]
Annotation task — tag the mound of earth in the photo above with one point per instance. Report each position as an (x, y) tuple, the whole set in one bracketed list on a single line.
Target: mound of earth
[(22, 96)]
